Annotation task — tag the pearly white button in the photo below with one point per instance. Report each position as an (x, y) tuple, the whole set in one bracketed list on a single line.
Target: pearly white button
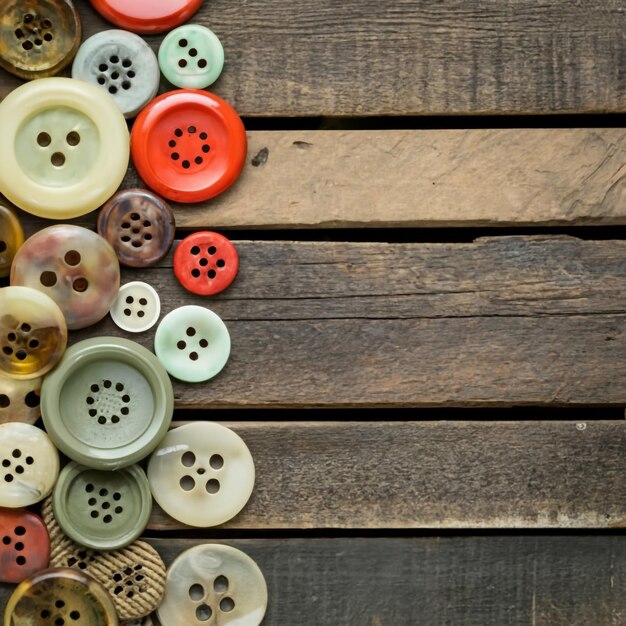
[(136, 308)]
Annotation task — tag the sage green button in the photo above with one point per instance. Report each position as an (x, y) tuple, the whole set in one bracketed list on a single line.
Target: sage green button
[(191, 56), (99, 509), (108, 403), (193, 343)]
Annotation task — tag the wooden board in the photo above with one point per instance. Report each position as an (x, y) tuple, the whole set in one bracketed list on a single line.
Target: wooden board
[(473, 581), (498, 322), (444, 474)]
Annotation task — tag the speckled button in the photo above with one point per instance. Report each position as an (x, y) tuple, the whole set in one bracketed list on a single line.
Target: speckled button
[(202, 474), (122, 64), (137, 307), (19, 399), (108, 403), (38, 37), (76, 267), (191, 56), (216, 584), (60, 597), (25, 547), (33, 333), (139, 225), (193, 343), (100, 509), (66, 147), (11, 237), (29, 465)]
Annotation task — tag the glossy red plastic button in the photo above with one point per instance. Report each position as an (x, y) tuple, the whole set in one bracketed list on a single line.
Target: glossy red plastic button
[(24, 545), (206, 263), (147, 16), (189, 145)]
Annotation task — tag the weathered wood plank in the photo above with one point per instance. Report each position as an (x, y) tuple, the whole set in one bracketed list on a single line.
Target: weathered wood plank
[(432, 475), (443, 178), (473, 581), (356, 57), (502, 321)]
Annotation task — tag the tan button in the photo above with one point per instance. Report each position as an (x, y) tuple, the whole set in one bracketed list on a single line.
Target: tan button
[(11, 238), (216, 584), (19, 400)]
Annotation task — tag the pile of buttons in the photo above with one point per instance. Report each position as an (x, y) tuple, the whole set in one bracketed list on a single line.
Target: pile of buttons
[(107, 402)]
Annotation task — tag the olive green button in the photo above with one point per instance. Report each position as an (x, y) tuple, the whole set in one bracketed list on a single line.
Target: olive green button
[(99, 509), (108, 403), (191, 56)]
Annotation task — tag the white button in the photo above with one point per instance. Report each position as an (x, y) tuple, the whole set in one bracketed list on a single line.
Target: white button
[(29, 465), (136, 308), (202, 474), (215, 584)]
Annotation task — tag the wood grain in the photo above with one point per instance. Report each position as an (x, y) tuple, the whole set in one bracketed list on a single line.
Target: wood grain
[(469, 581)]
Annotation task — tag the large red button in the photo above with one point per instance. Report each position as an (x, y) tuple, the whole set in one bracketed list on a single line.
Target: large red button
[(147, 16), (24, 545), (206, 263), (189, 145)]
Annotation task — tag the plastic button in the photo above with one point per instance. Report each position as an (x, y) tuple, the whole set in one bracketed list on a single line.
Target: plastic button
[(191, 56), (66, 147), (11, 238), (29, 465), (147, 16), (192, 343), (75, 267), (202, 474), (60, 596), (189, 145), (137, 307), (139, 225), (25, 547), (33, 333), (99, 509), (122, 64), (214, 582), (206, 263), (19, 400), (108, 403), (38, 38)]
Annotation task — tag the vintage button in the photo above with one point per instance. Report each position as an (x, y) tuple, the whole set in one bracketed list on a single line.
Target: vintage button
[(137, 307), (25, 547), (33, 333), (76, 267), (139, 225), (213, 582), (38, 38), (202, 474), (108, 403), (122, 64), (66, 147), (61, 597), (11, 237), (192, 343), (147, 16), (19, 400), (100, 509), (206, 263), (188, 145), (191, 56), (30, 465)]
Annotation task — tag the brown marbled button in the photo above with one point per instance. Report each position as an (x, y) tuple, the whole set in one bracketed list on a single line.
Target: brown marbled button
[(19, 400), (139, 225), (38, 38), (11, 237)]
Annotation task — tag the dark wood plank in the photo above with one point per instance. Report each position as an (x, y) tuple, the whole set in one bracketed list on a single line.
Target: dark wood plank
[(473, 581)]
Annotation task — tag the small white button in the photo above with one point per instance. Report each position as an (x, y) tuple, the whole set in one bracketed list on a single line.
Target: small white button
[(136, 308)]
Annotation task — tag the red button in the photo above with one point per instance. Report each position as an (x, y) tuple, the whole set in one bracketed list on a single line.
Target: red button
[(24, 545), (188, 145), (147, 16), (206, 263)]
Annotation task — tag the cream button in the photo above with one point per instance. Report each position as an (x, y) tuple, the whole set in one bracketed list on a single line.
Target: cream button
[(136, 308), (19, 400)]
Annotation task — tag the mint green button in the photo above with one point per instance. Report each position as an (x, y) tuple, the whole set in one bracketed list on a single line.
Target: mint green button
[(191, 56)]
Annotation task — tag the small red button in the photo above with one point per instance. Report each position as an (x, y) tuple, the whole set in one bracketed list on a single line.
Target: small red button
[(146, 16), (189, 145), (206, 263), (24, 545)]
